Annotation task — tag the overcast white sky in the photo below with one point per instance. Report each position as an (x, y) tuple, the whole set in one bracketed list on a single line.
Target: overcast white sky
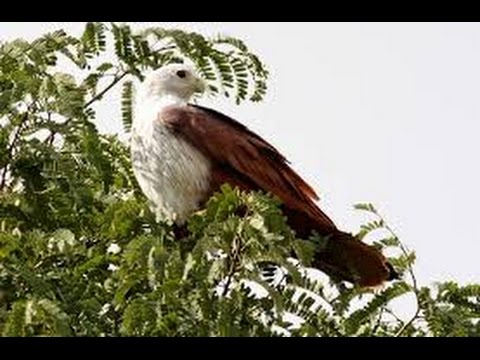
[(387, 113)]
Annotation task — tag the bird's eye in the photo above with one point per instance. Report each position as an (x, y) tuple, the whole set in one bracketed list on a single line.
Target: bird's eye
[(181, 73)]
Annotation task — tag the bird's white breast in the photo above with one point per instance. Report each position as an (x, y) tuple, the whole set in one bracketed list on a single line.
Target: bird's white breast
[(172, 173)]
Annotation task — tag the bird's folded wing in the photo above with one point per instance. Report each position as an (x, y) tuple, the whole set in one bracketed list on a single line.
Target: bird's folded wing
[(229, 144)]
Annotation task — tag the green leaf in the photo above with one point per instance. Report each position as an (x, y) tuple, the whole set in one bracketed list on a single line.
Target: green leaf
[(127, 105)]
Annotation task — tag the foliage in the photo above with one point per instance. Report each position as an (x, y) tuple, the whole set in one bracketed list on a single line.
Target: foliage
[(82, 255)]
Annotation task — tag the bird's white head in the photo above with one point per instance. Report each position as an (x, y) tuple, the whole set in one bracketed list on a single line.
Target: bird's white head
[(175, 80)]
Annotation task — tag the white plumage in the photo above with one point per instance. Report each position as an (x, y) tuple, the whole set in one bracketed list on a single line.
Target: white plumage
[(172, 174)]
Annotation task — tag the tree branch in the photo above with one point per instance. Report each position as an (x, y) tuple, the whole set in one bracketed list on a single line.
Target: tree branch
[(49, 140), (107, 88)]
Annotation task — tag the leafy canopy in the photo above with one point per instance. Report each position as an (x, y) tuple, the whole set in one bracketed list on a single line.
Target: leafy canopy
[(81, 254)]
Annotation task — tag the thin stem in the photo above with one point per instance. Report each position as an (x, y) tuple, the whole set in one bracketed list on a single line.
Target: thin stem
[(417, 298), (394, 315), (379, 320), (412, 276), (234, 255), (11, 148), (107, 88)]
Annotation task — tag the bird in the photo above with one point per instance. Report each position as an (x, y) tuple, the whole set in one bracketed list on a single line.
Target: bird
[(182, 153)]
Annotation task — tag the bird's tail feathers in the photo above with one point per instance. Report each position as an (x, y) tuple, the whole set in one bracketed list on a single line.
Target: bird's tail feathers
[(344, 257)]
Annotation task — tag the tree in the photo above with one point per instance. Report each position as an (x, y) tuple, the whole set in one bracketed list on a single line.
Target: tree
[(81, 253)]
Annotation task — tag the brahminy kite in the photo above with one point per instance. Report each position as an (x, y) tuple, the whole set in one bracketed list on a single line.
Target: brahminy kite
[(182, 153)]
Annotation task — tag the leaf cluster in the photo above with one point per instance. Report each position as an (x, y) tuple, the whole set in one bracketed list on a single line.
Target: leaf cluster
[(81, 254)]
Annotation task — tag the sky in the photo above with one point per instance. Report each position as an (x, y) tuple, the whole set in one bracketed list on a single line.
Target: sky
[(386, 113)]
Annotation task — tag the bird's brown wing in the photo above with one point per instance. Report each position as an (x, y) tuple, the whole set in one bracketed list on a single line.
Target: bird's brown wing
[(244, 159), (235, 151)]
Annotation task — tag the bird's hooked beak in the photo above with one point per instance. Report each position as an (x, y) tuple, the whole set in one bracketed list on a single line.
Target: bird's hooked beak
[(200, 85)]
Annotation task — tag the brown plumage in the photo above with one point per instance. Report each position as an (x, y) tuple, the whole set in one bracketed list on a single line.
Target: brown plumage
[(240, 157)]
